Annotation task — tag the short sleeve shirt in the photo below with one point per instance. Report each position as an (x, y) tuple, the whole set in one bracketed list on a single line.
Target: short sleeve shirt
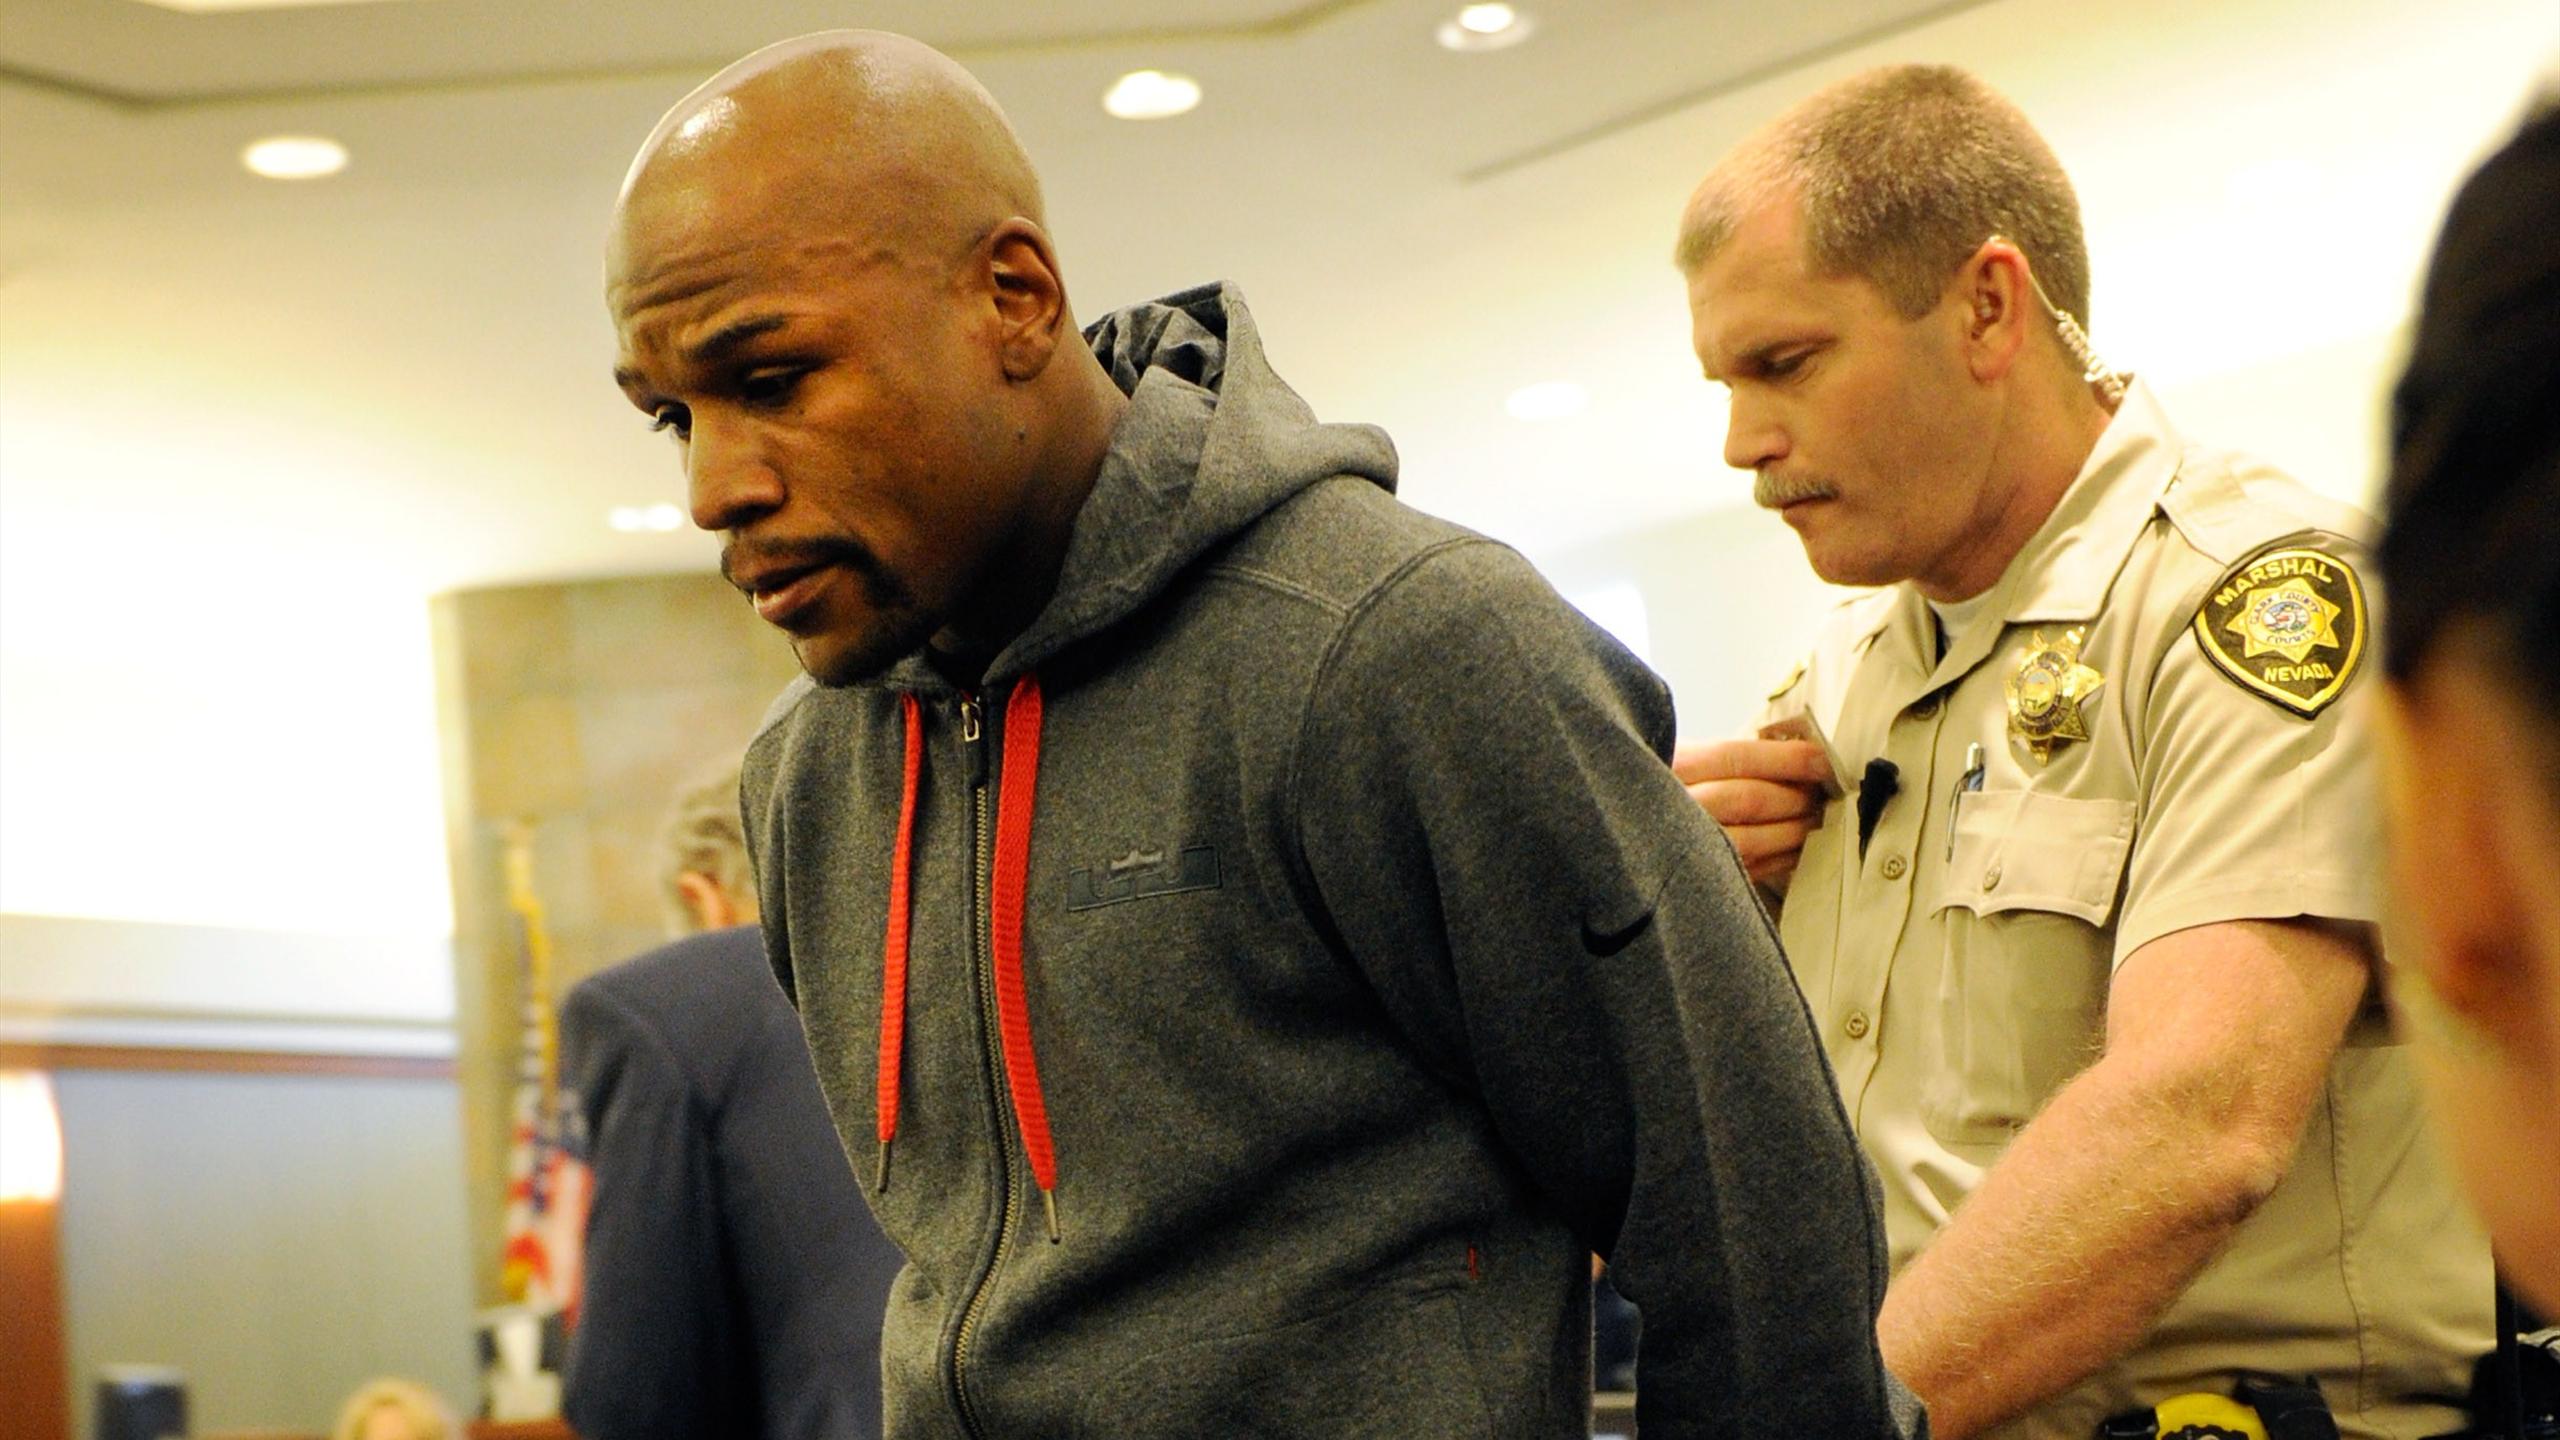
[(2085, 768)]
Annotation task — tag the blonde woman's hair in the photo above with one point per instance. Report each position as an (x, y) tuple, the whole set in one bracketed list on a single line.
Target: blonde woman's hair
[(1903, 172), (427, 1416)]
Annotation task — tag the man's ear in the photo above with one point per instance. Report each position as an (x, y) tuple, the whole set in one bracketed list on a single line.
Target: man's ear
[(710, 902), (1999, 306), (1030, 297)]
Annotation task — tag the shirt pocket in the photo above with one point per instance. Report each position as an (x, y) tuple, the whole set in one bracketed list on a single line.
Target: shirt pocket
[(2023, 914)]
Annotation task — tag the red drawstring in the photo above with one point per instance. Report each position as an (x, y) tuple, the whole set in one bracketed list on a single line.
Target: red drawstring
[(1014, 803), (893, 949), (1021, 780)]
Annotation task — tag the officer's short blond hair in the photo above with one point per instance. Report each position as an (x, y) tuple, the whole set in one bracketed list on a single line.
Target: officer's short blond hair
[(704, 836), (1903, 172)]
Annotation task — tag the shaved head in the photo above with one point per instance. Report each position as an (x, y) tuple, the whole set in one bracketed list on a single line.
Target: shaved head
[(859, 132)]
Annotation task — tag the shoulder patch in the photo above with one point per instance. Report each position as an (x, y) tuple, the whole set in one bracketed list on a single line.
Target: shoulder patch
[(2288, 624)]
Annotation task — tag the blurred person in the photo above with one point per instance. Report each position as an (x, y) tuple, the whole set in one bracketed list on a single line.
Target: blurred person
[(2471, 551), (1227, 1053), (2085, 905), (734, 1279), (393, 1409)]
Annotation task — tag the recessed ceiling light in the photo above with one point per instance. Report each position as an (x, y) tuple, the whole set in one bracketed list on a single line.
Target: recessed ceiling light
[(1151, 95), (295, 157), (637, 519), (1484, 27), (1548, 400)]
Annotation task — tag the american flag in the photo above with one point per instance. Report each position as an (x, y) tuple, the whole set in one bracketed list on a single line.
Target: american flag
[(547, 1179)]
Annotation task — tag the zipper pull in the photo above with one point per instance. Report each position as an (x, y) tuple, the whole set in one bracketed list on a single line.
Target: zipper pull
[(973, 733)]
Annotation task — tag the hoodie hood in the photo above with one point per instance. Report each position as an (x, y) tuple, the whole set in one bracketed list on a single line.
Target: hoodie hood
[(1212, 440)]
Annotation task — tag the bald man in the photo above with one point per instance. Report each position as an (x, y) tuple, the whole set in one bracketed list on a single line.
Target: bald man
[(1224, 1053)]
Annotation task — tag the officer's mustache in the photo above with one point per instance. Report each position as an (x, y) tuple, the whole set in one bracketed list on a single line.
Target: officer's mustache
[(1776, 492)]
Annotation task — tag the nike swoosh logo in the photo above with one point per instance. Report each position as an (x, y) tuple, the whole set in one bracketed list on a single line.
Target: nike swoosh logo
[(1616, 940)]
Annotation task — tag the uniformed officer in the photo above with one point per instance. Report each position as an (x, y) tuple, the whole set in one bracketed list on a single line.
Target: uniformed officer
[(2075, 837)]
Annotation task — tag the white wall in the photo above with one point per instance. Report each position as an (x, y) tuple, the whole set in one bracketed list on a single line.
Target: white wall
[(198, 736), (1730, 606), (120, 982), (279, 1238)]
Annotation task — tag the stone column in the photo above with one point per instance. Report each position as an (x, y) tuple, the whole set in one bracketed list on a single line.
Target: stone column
[(574, 710)]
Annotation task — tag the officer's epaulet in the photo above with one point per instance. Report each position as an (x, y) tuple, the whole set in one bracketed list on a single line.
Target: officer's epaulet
[(2288, 622), (2229, 506)]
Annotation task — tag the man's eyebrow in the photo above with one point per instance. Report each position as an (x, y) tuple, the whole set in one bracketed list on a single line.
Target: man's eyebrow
[(1756, 359), (719, 345), (1742, 361)]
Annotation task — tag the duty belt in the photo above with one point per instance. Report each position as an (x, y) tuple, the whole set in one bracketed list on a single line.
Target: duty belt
[(2259, 1407)]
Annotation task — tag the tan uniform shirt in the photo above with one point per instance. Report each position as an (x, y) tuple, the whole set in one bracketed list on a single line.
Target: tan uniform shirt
[(1959, 970)]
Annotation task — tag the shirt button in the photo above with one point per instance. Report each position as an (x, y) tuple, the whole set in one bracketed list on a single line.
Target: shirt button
[(1856, 1025), (1893, 867), (1991, 879)]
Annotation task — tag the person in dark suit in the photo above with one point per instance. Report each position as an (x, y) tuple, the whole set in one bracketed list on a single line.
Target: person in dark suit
[(735, 1280)]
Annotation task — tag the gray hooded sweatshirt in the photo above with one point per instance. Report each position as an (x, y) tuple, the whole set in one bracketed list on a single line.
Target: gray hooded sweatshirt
[(1250, 1005)]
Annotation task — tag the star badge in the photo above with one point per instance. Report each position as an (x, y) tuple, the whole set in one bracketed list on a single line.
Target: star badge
[(2047, 693)]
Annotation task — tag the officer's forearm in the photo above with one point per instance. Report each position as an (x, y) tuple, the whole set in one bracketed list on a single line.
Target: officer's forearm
[(2218, 1041), (2093, 1221)]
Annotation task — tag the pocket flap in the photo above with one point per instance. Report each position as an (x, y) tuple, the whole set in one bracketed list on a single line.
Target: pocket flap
[(2026, 850)]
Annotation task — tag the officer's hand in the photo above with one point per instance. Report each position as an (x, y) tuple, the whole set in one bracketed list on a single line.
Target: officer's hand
[(1767, 794)]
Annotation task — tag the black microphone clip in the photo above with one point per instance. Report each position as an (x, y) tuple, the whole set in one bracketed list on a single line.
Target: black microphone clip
[(1879, 785)]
